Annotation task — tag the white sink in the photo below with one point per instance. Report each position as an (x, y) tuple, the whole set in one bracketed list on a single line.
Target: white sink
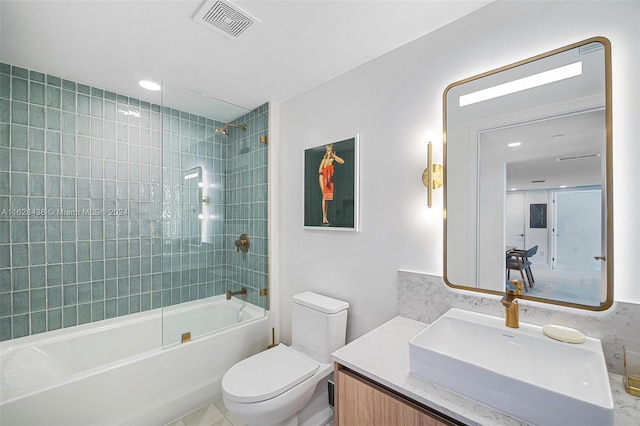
[(520, 372)]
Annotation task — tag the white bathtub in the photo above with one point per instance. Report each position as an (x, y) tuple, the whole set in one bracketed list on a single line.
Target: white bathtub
[(117, 372)]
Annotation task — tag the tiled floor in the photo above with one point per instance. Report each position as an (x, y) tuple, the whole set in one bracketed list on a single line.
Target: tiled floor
[(214, 414), (566, 286)]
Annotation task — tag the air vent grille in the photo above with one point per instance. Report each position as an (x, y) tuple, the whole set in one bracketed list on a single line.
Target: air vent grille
[(579, 157), (225, 18)]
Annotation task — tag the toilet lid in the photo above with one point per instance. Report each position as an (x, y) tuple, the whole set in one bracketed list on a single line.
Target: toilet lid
[(267, 374)]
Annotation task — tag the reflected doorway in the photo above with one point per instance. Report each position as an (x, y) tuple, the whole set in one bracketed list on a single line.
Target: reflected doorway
[(515, 220), (578, 230)]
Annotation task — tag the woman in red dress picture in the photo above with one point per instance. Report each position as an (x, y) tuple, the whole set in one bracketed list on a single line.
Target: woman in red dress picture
[(325, 178)]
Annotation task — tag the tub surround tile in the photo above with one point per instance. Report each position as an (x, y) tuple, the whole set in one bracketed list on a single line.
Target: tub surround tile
[(425, 297), (70, 147)]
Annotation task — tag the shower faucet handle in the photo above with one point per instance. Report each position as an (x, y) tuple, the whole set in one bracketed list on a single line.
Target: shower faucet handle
[(242, 243)]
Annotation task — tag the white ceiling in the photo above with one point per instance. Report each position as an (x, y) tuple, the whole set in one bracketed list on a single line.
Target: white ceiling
[(561, 151), (297, 46)]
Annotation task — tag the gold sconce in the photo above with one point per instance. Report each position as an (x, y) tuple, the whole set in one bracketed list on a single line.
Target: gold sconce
[(432, 177)]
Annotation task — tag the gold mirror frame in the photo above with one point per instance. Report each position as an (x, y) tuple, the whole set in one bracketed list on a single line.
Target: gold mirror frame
[(607, 185)]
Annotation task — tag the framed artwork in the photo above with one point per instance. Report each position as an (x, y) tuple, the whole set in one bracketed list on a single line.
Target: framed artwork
[(331, 186), (537, 215)]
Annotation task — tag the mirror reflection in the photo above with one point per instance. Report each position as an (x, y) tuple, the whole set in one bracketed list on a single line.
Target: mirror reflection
[(527, 178)]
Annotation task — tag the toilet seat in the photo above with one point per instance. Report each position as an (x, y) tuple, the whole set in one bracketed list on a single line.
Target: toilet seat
[(267, 374)]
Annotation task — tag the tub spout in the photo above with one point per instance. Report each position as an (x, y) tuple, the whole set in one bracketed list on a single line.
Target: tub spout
[(242, 292)]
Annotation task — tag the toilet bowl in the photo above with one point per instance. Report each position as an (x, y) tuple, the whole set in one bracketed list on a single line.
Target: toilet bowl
[(288, 381), (287, 385)]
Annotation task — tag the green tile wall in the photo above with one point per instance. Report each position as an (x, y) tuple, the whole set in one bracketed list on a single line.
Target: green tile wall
[(246, 205), (86, 178)]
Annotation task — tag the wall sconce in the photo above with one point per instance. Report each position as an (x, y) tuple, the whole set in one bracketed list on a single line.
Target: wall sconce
[(432, 177)]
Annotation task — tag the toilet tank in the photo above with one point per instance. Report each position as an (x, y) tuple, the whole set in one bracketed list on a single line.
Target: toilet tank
[(319, 325)]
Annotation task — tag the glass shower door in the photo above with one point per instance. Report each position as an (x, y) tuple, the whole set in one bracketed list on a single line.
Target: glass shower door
[(214, 189)]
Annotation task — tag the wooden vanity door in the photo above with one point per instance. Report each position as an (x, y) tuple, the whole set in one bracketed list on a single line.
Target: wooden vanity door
[(360, 402)]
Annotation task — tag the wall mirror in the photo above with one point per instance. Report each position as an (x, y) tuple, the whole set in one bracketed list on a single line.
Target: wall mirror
[(528, 190)]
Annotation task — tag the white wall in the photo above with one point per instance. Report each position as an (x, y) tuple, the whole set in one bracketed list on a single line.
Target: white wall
[(393, 102)]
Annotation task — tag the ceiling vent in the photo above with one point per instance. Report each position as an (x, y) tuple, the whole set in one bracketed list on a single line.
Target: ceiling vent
[(225, 18), (579, 157)]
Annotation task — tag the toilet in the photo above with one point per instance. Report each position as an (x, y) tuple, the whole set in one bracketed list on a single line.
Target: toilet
[(287, 385)]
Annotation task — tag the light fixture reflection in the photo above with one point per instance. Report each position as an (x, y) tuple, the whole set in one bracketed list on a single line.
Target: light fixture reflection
[(150, 85)]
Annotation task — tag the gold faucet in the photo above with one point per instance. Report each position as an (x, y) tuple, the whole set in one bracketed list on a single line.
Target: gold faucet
[(510, 302), (242, 292)]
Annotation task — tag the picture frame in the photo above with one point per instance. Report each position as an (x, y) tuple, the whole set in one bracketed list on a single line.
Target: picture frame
[(331, 186), (538, 216)]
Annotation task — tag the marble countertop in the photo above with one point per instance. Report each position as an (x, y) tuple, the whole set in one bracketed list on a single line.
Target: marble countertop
[(383, 356)]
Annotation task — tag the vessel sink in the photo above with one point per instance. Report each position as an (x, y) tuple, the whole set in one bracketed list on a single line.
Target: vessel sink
[(520, 372)]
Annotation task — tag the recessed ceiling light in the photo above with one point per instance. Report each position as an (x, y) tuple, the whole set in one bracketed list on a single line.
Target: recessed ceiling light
[(514, 144), (150, 85)]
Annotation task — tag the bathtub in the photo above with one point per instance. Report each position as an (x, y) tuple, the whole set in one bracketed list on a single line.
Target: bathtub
[(129, 370)]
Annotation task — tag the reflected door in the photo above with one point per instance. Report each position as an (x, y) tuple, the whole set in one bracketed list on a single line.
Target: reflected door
[(577, 232), (515, 220)]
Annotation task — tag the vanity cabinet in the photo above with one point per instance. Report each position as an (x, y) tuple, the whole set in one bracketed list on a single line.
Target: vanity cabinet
[(362, 402)]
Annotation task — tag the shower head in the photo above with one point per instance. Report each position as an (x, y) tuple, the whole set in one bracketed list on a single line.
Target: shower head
[(225, 129)]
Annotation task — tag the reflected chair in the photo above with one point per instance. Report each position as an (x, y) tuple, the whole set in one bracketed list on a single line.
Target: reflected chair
[(519, 260)]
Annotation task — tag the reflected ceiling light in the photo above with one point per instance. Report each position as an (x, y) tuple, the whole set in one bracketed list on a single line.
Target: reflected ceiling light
[(513, 189), (535, 80), (128, 112), (150, 85), (514, 144)]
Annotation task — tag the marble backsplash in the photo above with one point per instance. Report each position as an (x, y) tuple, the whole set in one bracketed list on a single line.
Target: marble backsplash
[(424, 297)]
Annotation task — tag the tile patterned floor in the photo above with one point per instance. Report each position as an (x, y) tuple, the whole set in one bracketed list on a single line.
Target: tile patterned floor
[(214, 414), (566, 286)]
